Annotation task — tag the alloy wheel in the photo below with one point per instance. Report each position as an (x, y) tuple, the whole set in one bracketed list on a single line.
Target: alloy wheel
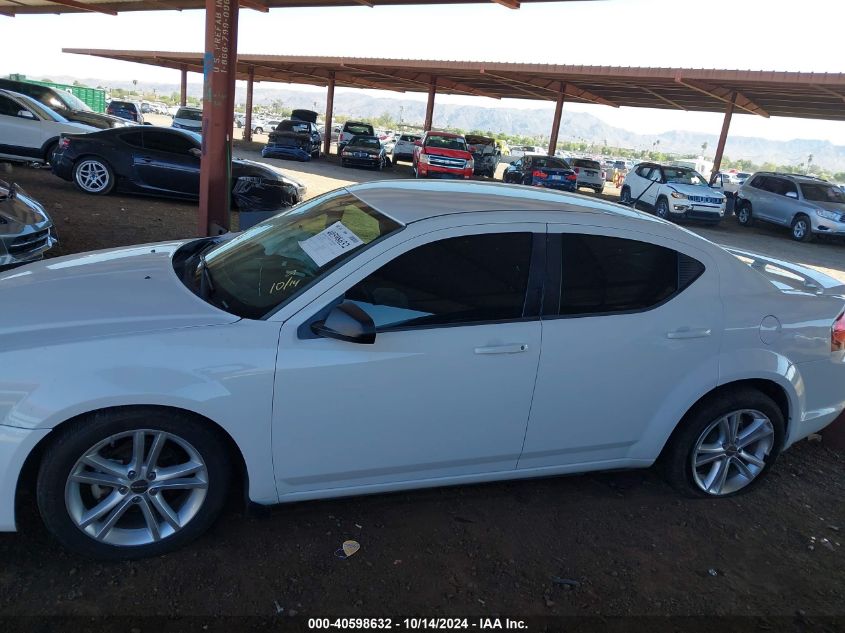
[(136, 487), (799, 229), (662, 209), (92, 176), (732, 452)]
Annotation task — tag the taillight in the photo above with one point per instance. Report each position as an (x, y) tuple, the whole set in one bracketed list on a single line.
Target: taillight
[(571, 177), (837, 334), (539, 174)]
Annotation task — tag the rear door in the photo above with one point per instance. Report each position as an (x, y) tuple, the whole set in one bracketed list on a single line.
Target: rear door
[(20, 137), (631, 328), (166, 163)]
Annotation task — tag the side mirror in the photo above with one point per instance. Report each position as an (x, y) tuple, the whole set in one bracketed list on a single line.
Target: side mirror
[(347, 322), (196, 152), (26, 114), (791, 194)]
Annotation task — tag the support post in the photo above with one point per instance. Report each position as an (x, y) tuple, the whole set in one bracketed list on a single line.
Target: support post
[(250, 79), (429, 108), (723, 137), (556, 124), (327, 135), (183, 86), (219, 73)]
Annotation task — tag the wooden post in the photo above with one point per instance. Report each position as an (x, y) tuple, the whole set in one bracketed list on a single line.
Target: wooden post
[(183, 88), (556, 124), (247, 136), (327, 136), (723, 137), (429, 108)]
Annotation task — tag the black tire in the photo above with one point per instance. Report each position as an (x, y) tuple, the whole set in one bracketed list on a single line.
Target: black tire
[(743, 214), (51, 150), (259, 130), (802, 229), (343, 163), (661, 209), (73, 440), (393, 160), (94, 164), (600, 190), (625, 195), (677, 457)]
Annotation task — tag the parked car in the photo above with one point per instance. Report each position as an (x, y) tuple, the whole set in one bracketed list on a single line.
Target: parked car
[(442, 155), (298, 358), (809, 206), (26, 230), (673, 193), (29, 130), (589, 173), (728, 182), (350, 129), (364, 151), (293, 138), (523, 150), (404, 148), (485, 154), (128, 110), (188, 118), (541, 171), (162, 161), (63, 103)]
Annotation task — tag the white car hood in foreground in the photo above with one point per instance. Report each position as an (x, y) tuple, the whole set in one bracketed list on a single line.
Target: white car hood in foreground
[(103, 293)]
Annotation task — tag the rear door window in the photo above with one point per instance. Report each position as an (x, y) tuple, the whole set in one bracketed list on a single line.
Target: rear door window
[(160, 141), (603, 274)]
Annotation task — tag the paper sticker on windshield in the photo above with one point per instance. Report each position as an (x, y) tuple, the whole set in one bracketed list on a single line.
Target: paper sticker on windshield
[(330, 243)]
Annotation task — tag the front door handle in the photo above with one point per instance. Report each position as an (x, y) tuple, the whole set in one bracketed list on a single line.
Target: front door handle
[(685, 332), (503, 349)]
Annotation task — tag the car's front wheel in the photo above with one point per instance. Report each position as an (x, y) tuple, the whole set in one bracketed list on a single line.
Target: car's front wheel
[(726, 444), (129, 483), (93, 175), (802, 229), (662, 208)]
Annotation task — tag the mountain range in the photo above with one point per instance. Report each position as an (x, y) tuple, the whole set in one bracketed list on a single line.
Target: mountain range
[(575, 126)]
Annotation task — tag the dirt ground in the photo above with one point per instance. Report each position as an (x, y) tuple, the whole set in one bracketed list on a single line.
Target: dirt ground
[(771, 559)]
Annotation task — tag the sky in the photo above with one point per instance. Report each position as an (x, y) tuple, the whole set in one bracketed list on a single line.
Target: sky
[(734, 34)]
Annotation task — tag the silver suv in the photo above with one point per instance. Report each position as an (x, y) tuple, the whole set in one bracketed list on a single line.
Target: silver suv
[(810, 206)]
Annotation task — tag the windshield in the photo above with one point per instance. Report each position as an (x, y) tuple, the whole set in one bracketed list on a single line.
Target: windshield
[(61, 100), (586, 164), (189, 114), (823, 192), (446, 142), (264, 267), (479, 140), (359, 128), (41, 110), (553, 163), (684, 176), (364, 141)]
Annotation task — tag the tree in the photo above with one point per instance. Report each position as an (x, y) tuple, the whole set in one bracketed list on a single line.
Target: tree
[(703, 147)]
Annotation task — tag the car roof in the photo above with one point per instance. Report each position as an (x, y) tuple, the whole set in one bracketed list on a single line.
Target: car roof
[(409, 201), (446, 134)]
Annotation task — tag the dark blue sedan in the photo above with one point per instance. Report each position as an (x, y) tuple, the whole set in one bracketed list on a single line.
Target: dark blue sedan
[(542, 171)]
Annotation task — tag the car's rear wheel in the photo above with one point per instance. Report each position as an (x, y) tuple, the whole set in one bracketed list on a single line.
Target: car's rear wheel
[(661, 209), (743, 214), (725, 445), (130, 483), (51, 151), (802, 229), (93, 175)]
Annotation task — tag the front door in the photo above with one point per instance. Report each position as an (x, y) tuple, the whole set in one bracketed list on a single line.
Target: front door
[(166, 163), (630, 330), (19, 136), (446, 388)]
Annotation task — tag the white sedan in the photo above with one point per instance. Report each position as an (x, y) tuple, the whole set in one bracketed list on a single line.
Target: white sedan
[(399, 335)]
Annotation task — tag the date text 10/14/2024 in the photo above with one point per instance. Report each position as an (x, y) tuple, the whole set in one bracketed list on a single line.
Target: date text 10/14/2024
[(418, 623)]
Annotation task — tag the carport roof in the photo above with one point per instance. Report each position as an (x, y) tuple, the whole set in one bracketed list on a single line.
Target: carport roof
[(113, 7), (765, 93)]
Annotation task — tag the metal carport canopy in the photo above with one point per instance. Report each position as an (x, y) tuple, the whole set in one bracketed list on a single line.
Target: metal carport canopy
[(764, 93)]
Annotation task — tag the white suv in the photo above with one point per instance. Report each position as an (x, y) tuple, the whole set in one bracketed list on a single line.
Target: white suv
[(673, 193), (404, 147), (29, 130)]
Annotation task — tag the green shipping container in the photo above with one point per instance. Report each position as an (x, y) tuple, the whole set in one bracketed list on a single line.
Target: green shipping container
[(95, 98)]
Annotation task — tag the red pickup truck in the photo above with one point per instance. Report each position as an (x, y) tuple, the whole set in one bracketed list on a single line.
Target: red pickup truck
[(441, 154)]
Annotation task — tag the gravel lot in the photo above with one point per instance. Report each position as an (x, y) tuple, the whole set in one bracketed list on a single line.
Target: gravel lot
[(634, 546)]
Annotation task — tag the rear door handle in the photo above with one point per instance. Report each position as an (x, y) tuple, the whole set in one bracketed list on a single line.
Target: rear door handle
[(516, 348), (685, 332)]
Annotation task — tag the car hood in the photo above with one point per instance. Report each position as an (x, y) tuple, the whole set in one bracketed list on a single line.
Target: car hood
[(19, 211), (451, 153), (696, 190), (244, 167), (836, 207), (95, 119), (101, 293)]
